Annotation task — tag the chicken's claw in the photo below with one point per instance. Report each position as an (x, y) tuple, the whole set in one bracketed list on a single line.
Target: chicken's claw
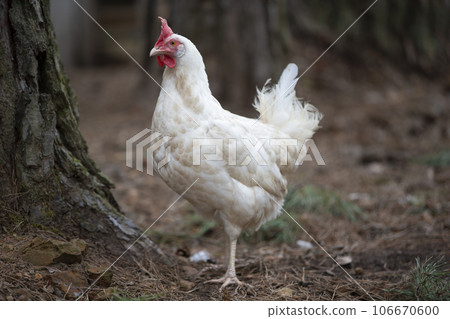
[(228, 280)]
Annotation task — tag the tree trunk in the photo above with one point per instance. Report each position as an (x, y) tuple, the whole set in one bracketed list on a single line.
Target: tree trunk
[(47, 179)]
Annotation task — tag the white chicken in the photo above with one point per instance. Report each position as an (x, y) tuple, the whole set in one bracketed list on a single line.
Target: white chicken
[(242, 184)]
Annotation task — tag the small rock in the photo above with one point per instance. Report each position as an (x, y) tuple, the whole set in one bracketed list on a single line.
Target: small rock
[(344, 260), (9, 298), (38, 276), (202, 255), (285, 292), (70, 251), (304, 244), (189, 271), (43, 251), (106, 274), (68, 284), (40, 257), (186, 285)]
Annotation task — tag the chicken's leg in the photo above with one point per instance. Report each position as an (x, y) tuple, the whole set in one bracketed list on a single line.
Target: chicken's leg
[(230, 275)]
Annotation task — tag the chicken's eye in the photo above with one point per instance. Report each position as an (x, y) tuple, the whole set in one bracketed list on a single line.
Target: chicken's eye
[(172, 43)]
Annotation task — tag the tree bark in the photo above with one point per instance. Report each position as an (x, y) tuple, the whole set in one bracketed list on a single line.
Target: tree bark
[(47, 179)]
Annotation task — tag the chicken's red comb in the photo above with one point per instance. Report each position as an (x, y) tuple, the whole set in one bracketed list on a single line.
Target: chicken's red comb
[(166, 31)]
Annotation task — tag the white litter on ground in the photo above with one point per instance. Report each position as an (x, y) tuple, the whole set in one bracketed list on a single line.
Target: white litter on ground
[(202, 255), (304, 244)]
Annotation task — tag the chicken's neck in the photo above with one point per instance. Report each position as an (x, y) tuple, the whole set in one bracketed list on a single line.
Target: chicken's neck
[(188, 81), (185, 97)]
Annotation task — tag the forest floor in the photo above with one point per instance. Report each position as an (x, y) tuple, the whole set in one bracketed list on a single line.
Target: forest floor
[(381, 201)]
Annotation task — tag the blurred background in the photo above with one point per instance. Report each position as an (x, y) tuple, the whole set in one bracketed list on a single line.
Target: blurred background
[(383, 197), (245, 42)]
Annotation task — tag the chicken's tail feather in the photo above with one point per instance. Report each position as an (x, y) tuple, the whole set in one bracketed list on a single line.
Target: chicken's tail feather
[(279, 106)]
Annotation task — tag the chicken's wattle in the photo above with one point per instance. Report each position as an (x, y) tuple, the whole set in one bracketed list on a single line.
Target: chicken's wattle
[(166, 60)]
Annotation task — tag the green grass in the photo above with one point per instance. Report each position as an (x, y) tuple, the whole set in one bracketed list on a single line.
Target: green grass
[(428, 280), (318, 200), (281, 230), (305, 199), (440, 159), (425, 202)]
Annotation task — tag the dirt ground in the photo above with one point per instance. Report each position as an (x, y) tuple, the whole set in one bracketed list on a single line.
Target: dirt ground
[(378, 124)]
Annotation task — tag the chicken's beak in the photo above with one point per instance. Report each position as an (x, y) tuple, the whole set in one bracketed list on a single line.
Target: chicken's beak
[(157, 51)]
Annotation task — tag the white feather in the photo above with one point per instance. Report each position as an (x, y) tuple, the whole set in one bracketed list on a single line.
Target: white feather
[(279, 106), (229, 192), (238, 196)]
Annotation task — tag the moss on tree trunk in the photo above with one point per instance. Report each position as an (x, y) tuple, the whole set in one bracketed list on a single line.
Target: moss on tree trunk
[(46, 176)]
